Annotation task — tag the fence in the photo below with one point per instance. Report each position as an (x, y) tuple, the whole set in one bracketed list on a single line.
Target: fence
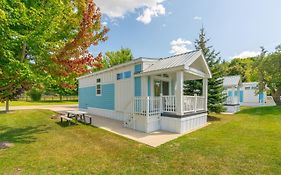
[(51, 98)]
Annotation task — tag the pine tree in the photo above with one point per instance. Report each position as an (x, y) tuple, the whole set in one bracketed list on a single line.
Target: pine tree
[(215, 84)]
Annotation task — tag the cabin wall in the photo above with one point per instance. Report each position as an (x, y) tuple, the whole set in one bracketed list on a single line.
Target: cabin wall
[(116, 99), (250, 94)]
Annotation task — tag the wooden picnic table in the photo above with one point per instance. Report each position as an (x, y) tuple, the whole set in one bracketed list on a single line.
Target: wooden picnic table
[(78, 114)]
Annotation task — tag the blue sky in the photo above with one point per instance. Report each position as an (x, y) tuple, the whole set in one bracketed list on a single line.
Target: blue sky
[(159, 28)]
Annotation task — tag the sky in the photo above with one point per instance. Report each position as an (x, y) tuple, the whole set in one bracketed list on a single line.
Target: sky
[(160, 28)]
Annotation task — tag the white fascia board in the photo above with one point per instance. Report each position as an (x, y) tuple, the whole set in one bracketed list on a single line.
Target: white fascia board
[(161, 71), (196, 72)]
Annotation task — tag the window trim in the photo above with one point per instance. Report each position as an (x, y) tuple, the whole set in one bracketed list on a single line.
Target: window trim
[(98, 89)]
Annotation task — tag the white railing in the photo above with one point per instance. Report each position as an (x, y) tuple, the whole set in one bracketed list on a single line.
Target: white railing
[(169, 103), (193, 103), (232, 100), (149, 106)]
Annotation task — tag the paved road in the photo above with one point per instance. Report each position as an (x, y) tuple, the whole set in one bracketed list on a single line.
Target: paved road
[(57, 108)]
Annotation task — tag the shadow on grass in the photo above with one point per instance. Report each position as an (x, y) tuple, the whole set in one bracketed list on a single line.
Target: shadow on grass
[(211, 118), (24, 135), (264, 110), (65, 124)]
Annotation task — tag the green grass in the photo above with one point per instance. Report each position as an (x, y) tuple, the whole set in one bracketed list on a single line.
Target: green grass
[(246, 143), (30, 103)]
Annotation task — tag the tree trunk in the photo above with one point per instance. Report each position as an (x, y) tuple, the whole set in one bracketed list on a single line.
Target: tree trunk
[(7, 105), (276, 98), (60, 97)]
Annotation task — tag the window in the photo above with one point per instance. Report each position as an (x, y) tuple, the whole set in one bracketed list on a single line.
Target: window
[(127, 74), (120, 76), (98, 89), (247, 88)]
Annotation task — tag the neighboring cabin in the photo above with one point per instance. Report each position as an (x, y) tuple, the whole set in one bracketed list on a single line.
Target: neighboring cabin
[(244, 94), (147, 94)]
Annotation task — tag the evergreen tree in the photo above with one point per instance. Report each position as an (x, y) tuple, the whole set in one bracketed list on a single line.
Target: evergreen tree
[(215, 84)]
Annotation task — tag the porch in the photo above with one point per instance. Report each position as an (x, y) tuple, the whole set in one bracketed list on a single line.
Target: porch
[(166, 105)]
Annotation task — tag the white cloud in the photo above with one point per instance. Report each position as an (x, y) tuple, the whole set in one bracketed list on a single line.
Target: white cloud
[(197, 18), (247, 54), (118, 8), (104, 23), (148, 13), (179, 46)]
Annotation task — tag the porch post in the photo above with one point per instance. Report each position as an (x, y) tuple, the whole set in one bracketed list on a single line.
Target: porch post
[(205, 93), (179, 94)]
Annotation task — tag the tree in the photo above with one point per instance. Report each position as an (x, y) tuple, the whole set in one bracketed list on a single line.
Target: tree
[(46, 38), (269, 68), (242, 67), (114, 58), (215, 84)]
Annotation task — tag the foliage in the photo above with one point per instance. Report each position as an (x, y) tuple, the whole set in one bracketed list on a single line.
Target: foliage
[(46, 39), (35, 94), (215, 87), (118, 57), (269, 72), (243, 67)]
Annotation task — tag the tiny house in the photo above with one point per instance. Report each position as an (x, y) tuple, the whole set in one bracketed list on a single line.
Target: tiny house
[(147, 94), (250, 94), (232, 86)]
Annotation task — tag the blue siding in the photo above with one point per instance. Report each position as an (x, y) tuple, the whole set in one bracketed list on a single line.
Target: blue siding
[(148, 87), (138, 68), (88, 98), (261, 96), (241, 96), (230, 93), (137, 86)]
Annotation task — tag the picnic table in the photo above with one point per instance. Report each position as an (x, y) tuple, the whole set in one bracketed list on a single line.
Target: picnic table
[(78, 115)]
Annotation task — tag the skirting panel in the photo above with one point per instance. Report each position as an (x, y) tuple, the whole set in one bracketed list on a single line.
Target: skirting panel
[(183, 125), (232, 109), (107, 113)]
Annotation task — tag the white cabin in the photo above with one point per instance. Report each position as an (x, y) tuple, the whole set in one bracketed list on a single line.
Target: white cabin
[(147, 94)]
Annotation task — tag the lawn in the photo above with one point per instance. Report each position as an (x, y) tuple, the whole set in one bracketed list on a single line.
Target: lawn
[(31, 103), (246, 143)]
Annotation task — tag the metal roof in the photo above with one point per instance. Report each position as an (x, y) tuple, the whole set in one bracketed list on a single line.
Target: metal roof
[(173, 61), (231, 81)]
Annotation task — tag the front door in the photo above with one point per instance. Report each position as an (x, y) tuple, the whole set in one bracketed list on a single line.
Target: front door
[(161, 87)]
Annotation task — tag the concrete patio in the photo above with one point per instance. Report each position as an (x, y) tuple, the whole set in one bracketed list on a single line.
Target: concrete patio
[(153, 139)]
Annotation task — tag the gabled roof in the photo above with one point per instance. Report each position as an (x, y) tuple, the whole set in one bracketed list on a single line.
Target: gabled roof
[(181, 60), (231, 81), (172, 61)]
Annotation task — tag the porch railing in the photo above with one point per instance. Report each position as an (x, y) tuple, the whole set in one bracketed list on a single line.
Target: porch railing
[(149, 106), (193, 103)]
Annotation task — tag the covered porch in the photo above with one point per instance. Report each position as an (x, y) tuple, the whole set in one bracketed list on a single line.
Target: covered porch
[(166, 96), (163, 87)]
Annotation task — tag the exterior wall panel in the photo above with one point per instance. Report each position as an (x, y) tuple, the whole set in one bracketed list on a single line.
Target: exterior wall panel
[(88, 98)]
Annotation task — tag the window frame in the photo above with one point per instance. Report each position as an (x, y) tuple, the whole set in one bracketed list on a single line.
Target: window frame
[(100, 87)]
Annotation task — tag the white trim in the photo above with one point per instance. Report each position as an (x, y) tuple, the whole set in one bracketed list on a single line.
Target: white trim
[(138, 60)]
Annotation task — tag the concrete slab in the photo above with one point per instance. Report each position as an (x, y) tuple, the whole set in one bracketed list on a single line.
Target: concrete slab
[(153, 139)]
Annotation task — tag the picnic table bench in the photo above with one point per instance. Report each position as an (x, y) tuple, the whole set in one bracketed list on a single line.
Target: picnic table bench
[(67, 119), (78, 115)]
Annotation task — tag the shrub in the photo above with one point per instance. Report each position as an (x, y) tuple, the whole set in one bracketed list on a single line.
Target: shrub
[(35, 94)]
